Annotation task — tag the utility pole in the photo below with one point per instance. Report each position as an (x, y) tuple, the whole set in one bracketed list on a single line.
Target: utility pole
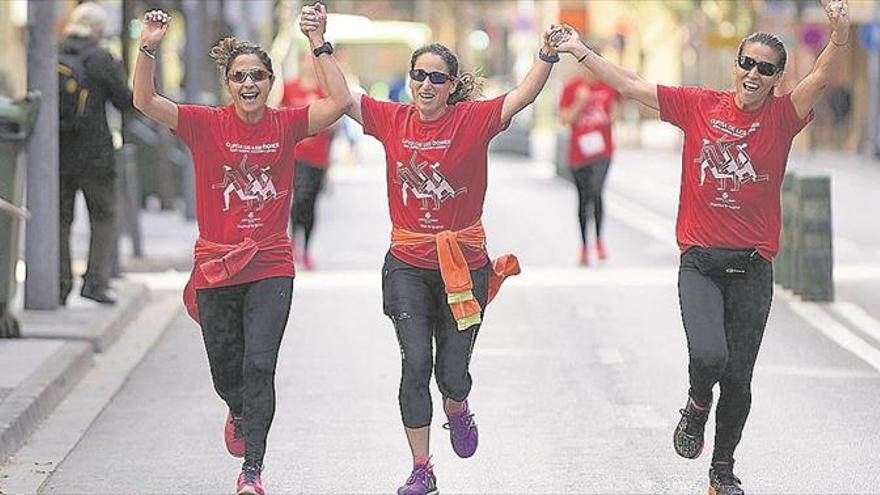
[(41, 288)]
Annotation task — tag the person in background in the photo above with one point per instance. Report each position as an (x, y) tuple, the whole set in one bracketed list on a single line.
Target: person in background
[(587, 105), (312, 161), (89, 78)]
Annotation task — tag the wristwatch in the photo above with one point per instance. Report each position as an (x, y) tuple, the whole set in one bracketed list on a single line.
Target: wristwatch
[(546, 57), (325, 48)]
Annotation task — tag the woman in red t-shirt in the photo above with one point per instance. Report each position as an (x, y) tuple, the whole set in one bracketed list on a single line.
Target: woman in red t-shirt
[(586, 105), (312, 160), (241, 286), (437, 276), (736, 146)]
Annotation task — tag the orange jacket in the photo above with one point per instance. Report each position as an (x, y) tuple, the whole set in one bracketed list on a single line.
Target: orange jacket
[(454, 269), (219, 262)]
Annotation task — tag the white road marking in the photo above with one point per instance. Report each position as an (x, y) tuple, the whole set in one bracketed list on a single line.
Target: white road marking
[(858, 317)]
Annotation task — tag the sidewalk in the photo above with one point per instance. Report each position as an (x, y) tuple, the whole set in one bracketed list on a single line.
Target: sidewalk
[(57, 348)]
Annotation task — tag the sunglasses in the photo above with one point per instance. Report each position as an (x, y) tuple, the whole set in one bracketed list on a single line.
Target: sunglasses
[(764, 68), (256, 75), (419, 75)]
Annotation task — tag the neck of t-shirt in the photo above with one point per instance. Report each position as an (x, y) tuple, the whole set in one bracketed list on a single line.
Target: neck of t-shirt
[(250, 117), (434, 118), (743, 109)]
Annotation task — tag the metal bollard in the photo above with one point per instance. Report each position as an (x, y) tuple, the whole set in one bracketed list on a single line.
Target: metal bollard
[(785, 259), (813, 241)]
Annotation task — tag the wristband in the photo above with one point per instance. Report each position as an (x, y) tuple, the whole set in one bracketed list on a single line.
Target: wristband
[(838, 44), (584, 57), (550, 59), (325, 48), (150, 52)]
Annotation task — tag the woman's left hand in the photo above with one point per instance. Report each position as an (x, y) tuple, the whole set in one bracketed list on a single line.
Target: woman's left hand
[(838, 16)]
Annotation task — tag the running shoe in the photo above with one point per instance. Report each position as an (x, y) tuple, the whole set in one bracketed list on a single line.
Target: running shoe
[(250, 482), (307, 262), (421, 482), (722, 481), (585, 256), (688, 436), (601, 253), (233, 433), (463, 432)]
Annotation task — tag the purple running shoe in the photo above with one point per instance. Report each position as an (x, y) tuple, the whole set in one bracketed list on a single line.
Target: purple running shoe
[(463, 432), (421, 482)]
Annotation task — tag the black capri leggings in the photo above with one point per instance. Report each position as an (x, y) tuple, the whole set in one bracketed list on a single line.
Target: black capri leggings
[(242, 326), (415, 300), (590, 182), (724, 320), (308, 183)]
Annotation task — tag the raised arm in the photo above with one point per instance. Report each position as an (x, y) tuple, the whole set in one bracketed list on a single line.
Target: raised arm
[(528, 89), (324, 112), (153, 105), (624, 81), (807, 93)]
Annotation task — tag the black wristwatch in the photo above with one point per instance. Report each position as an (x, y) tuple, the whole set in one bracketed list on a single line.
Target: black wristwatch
[(546, 57), (325, 48)]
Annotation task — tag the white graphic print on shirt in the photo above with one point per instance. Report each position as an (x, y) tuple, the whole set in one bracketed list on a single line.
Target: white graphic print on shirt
[(252, 185), (426, 183)]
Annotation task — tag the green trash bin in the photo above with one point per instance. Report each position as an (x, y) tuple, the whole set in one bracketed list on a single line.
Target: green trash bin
[(17, 119)]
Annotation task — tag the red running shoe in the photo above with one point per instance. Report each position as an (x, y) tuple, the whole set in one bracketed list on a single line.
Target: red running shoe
[(234, 435), (307, 262), (249, 482), (585, 256), (601, 253)]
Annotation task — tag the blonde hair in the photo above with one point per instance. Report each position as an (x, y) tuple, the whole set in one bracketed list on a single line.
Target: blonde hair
[(87, 20)]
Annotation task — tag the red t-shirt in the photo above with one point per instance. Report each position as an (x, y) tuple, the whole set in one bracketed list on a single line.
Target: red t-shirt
[(733, 163), (436, 171), (314, 150), (591, 130), (244, 180)]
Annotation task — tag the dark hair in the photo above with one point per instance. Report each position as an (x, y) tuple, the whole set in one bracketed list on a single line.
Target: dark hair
[(227, 50), (767, 39), (470, 84)]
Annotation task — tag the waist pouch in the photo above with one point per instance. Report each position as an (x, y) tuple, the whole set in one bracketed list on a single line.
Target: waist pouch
[(724, 263)]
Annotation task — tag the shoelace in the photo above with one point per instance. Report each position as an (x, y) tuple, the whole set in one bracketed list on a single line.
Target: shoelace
[(250, 475), (420, 474), (467, 421)]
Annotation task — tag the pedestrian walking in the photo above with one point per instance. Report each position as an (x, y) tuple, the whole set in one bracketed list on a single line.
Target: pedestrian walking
[(312, 161), (736, 146), (241, 286), (586, 106), (89, 78), (437, 278)]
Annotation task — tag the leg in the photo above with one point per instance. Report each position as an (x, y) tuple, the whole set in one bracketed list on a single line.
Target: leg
[(600, 172), (220, 312), (266, 311), (581, 181), (702, 312), (100, 194), (316, 183), (747, 306), (406, 301), (295, 205), (454, 350), (68, 186)]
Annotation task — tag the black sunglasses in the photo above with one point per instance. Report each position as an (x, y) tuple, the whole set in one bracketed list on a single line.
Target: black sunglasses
[(435, 77), (256, 75), (764, 68)]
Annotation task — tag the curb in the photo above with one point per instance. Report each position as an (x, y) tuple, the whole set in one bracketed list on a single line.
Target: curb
[(85, 332)]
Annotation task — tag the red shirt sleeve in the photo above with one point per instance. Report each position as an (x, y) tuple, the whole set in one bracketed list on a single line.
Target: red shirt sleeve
[(788, 117), (378, 116), (192, 120), (297, 122), (677, 105), (485, 116)]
